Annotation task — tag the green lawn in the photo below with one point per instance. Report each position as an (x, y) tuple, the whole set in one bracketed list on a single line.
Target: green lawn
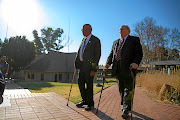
[(61, 89)]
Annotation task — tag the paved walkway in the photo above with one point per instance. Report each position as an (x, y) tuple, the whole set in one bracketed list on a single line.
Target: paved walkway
[(50, 106), (13, 90), (43, 106), (143, 109), (11, 85)]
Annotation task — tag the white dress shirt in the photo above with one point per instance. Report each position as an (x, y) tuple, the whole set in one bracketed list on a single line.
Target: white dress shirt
[(81, 49), (123, 41)]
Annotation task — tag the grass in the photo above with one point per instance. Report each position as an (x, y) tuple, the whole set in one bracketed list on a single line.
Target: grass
[(152, 82), (61, 89)]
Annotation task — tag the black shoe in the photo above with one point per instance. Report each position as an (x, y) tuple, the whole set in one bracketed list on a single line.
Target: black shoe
[(88, 108), (125, 114), (79, 105), (1, 100)]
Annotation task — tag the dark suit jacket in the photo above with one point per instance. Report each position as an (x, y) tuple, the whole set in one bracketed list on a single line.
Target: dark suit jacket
[(91, 55), (131, 52)]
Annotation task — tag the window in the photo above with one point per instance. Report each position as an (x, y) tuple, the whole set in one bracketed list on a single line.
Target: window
[(55, 79), (60, 77), (28, 75), (32, 76), (67, 76), (42, 76)]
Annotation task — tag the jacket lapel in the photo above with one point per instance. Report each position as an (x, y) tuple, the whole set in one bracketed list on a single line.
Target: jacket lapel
[(80, 48), (125, 44), (116, 45), (81, 44), (90, 40)]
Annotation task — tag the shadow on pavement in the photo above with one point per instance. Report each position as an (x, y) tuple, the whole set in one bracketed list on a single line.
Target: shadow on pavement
[(142, 117), (101, 115), (27, 85)]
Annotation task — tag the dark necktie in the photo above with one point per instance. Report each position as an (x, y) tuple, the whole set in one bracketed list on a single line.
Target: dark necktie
[(118, 53)]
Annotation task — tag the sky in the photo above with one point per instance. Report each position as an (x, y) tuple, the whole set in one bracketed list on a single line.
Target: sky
[(21, 17)]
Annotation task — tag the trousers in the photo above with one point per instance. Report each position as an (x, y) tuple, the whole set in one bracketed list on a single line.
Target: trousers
[(2, 87), (126, 84), (85, 83)]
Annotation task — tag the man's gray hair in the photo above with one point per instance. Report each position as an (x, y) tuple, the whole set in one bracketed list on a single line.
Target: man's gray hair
[(127, 27)]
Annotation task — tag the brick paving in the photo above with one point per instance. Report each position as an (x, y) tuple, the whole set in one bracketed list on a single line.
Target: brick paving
[(50, 106), (143, 107), (41, 106)]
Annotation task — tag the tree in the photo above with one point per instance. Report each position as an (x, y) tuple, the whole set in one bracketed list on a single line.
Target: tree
[(19, 51), (1, 43), (38, 43), (160, 41), (145, 29), (174, 39), (174, 54), (154, 39), (5, 40), (52, 38)]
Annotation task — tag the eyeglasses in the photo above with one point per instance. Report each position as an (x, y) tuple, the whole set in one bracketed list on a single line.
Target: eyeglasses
[(84, 29)]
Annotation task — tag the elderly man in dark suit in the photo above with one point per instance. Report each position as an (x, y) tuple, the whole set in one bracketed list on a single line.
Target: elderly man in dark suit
[(125, 57), (87, 61)]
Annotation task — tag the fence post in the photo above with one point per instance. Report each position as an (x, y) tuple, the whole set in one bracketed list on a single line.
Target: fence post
[(168, 71)]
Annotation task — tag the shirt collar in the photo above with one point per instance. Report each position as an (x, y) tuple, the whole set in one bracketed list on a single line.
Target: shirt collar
[(125, 37), (88, 37)]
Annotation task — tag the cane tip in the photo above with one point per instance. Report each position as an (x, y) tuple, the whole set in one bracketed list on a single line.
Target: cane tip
[(96, 112)]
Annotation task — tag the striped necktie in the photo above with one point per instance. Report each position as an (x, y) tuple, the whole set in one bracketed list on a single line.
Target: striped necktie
[(118, 53)]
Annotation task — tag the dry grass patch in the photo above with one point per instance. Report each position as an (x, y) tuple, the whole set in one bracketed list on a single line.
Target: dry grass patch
[(152, 82)]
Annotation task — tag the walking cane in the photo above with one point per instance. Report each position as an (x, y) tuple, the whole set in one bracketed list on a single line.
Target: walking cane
[(71, 85), (103, 75), (132, 89)]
